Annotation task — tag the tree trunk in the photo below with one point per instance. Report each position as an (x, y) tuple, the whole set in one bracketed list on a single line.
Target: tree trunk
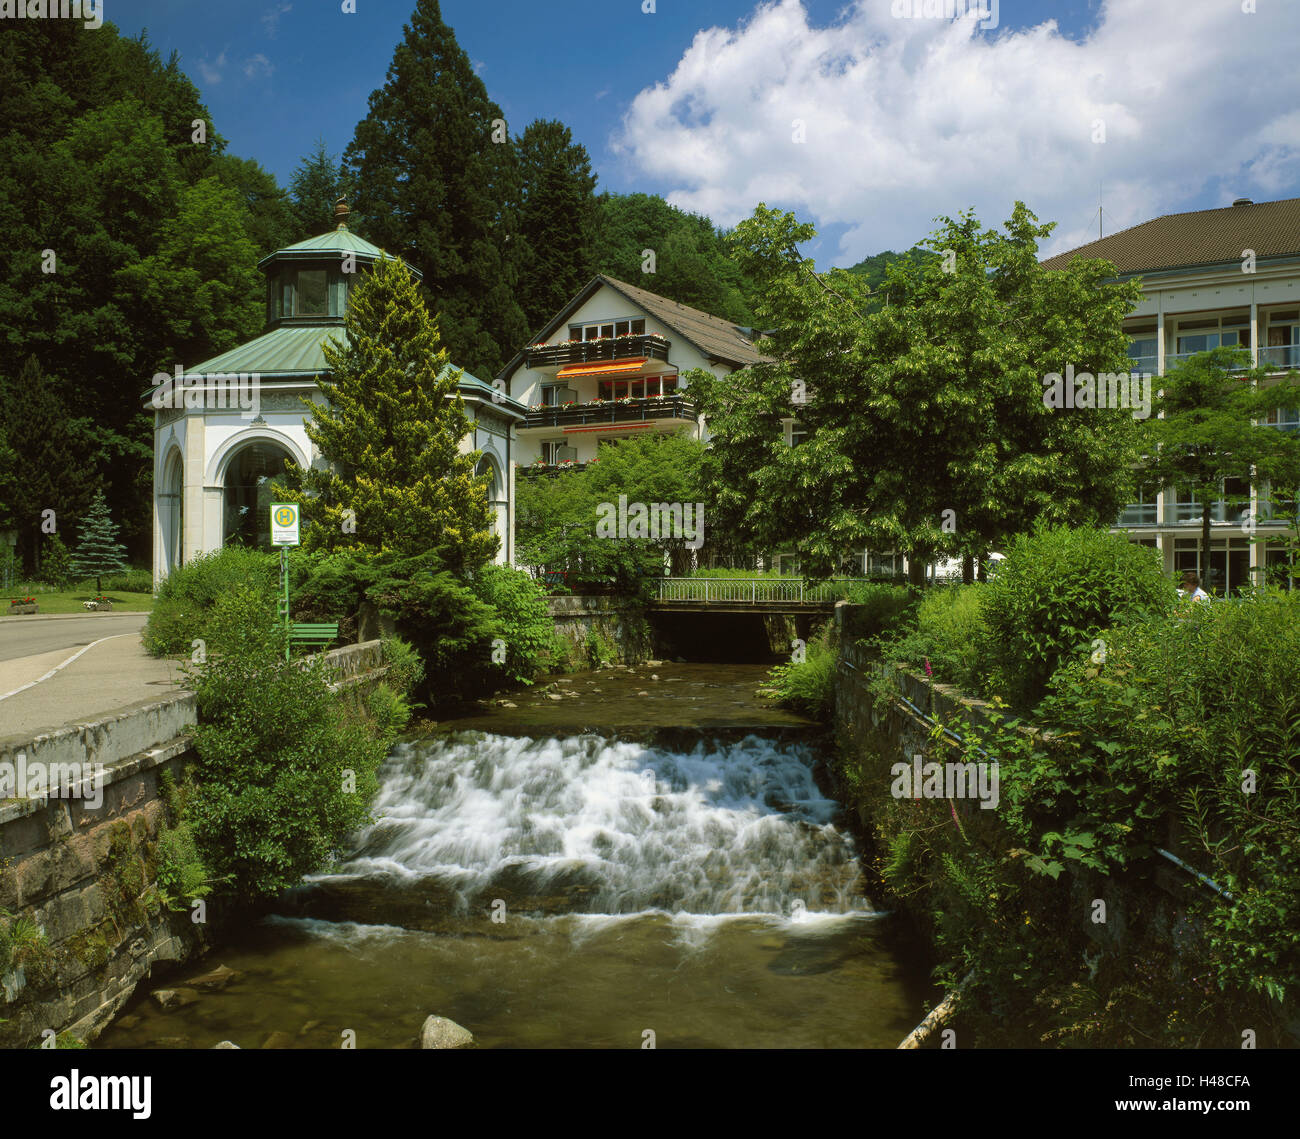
[(916, 569), (967, 569), (983, 573)]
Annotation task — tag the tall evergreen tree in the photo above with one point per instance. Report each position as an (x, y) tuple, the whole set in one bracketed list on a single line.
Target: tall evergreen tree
[(314, 187), (434, 187), (98, 551), (399, 480), (556, 219)]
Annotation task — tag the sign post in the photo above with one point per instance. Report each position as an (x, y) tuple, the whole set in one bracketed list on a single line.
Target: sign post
[(284, 533)]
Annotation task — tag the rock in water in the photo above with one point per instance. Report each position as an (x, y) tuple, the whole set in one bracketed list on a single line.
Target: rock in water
[(219, 978), (439, 1032), (225, 1044), (174, 998), (278, 1040)]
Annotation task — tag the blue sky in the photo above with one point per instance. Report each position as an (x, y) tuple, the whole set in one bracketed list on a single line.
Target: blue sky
[(904, 118)]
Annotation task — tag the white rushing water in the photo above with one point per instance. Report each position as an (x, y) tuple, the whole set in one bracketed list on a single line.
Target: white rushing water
[(586, 825)]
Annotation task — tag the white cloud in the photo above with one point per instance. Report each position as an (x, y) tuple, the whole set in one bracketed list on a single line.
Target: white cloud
[(256, 65), (211, 72), (908, 119), (271, 18)]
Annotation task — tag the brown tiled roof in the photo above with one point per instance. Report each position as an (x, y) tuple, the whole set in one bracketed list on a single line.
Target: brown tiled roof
[(1202, 237), (715, 338)]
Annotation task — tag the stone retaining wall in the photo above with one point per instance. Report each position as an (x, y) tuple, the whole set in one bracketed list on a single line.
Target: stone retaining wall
[(622, 624), (81, 862)]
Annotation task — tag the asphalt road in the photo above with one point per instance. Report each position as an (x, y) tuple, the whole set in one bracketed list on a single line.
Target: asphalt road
[(112, 674)]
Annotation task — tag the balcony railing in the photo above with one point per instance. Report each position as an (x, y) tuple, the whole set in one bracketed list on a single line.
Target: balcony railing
[(1284, 356), (540, 469), (756, 589), (647, 344), (612, 411)]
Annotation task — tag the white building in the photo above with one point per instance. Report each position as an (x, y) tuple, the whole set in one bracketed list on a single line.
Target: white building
[(223, 434), (1228, 276)]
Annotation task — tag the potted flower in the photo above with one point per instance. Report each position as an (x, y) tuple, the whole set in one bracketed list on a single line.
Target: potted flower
[(23, 605)]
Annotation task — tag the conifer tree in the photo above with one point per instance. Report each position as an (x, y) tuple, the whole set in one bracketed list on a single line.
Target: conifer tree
[(556, 219), (314, 187), (98, 551), (392, 431), (436, 183)]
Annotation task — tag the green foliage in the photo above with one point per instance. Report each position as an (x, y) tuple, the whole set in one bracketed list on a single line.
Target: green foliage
[(56, 564), (556, 219), (276, 756), (392, 430), (23, 945), (523, 620), (405, 668), (315, 188), (945, 630), (808, 686), (556, 519), (434, 187), (188, 594), (181, 874), (877, 608), (921, 412), (600, 650), (693, 263), (130, 581), (1057, 589)]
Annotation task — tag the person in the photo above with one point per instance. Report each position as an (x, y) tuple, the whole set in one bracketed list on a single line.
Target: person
[(1192, 587)]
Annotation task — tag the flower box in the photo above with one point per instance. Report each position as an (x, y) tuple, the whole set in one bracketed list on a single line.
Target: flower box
[(25, 605)]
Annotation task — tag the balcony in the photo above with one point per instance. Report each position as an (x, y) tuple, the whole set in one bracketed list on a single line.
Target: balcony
[(645, 345), (1281, 357), (628, 410), (543, 469)]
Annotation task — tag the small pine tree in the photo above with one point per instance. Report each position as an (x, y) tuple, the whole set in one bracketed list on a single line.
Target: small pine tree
[(98, 551)]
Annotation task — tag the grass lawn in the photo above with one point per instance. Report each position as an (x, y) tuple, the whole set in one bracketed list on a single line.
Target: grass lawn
[(70, 601)]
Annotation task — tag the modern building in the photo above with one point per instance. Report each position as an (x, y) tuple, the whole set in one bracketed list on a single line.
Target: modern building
[(224, 428), (1228, 276)]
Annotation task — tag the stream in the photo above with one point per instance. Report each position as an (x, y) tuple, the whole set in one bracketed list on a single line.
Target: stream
[(626, 855)]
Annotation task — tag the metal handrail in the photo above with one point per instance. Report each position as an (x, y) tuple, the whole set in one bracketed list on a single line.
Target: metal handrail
[(752, 590)]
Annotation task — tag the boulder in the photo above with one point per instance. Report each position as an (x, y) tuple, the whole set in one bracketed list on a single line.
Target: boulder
[(439, 1032), (225, 1044), (219, 978), (168, 999)]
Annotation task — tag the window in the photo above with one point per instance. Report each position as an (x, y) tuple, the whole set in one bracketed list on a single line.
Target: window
[(1285, 418), (556, 395), (1142, 347), (1139, 513), (558, 451), (1234, 498), (304, 292), (798, 433), (1202, 335), (1283, 334), (609, 328)]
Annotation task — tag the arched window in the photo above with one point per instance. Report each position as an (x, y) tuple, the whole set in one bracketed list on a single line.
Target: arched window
[(487, 467), (249, 474), (171, 511)]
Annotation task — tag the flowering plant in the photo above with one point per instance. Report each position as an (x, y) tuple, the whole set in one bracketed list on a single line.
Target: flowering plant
[(23, 601)]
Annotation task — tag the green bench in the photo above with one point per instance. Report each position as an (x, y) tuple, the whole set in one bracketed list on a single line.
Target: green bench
[(308, 633)]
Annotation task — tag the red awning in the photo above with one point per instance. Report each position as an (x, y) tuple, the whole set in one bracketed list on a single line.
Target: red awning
[(603, 368)]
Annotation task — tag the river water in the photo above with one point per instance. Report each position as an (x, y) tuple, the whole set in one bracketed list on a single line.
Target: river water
[(675, 875)]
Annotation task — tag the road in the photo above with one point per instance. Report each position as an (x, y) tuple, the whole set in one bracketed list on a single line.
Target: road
[(42, 688)]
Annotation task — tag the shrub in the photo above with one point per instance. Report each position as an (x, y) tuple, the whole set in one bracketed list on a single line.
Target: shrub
[(282, 772), (945, 629), (808, 686), (181, 875), (877, 608), (56, 563), (188, 594), (405, 668), (523, 620), (1056, 590), (129, 581)]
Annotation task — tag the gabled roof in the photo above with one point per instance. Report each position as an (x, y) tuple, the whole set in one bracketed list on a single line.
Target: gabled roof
[(1201, 237), (714, 337)]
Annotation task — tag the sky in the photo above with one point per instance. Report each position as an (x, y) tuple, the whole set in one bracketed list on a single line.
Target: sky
[(870, 118)]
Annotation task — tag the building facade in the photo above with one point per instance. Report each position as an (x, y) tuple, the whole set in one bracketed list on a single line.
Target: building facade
[(224, 429), (1211, 278)]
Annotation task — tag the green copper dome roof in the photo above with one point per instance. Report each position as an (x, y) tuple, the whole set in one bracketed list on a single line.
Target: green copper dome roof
[(340, 241), (296, 353)]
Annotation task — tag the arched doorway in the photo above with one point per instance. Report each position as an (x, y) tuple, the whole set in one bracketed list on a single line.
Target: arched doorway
[(247, 496), (495, 495), (171, 511)]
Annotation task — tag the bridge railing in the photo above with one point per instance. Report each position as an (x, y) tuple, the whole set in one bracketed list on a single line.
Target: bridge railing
[(753, 590)]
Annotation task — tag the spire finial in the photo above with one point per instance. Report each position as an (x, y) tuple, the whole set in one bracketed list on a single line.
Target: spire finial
[(341, 213)]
